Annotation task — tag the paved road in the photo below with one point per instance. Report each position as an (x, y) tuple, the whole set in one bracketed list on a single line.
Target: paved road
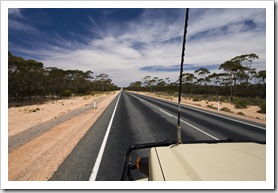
[(141, 119)]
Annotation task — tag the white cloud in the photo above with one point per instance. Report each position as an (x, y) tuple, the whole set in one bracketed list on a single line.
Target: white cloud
[(220, 50), (19, 26), (155, 39), (14, 11)]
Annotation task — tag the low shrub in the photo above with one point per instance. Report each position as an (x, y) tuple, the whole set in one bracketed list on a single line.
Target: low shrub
[(211, 107), (240, 113), (262, 108), (196, 99), (226, 109), (241, 103), (66, 93)]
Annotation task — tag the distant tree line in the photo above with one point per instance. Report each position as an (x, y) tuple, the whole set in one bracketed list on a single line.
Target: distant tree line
[(237, 79), (29, 79)]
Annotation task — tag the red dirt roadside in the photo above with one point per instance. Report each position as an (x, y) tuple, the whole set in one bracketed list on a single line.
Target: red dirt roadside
[(39, 158)]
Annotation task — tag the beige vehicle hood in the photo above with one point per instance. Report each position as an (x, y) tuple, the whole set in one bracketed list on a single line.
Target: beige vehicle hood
[(209, 162)]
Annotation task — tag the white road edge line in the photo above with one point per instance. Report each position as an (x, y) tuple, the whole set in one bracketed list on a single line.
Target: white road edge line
[(196, 109), (259, 127), (170, 115), (101, 150)]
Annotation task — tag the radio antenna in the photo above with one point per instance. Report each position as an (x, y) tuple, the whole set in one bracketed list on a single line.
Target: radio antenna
[(181, 71)]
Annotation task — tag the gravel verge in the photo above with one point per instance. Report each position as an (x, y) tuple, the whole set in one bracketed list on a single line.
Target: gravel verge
[(23, 137), (42, 153)]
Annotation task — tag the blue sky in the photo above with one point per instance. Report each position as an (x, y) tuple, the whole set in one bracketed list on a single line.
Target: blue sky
[(129, 44)]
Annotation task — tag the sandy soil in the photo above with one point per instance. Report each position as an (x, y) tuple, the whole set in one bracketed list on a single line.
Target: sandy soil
[(29, 116), (39, 158), (250, 113)]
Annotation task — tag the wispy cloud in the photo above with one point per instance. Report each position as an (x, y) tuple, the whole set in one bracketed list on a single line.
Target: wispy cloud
[(176, 68), (14, 12), (19, 26), (161, 68), (150, 42)]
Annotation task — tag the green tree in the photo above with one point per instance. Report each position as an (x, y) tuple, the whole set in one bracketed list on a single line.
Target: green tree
[(147, 82), (215, 79), (161, 83), (26, 78), (262, 75), (102, 80), (190, 79), (232, 68), (137, 86), (202, 72), (246, 61)]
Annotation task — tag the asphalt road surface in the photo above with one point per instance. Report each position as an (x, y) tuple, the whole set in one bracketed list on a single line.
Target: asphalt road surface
[(135, 119)]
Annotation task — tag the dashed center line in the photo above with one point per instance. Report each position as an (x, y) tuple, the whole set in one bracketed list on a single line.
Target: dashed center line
[(171, 115)]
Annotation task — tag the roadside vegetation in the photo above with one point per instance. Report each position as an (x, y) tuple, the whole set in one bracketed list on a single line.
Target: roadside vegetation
[(29, 81), (238, 84)]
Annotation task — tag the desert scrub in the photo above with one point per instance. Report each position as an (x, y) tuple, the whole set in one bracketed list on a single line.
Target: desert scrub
[(241, 103), (34, 110), (226, 109), (207, 98), (240, 113), (214, 98), (196, 98), (211, 107), (255, 101), (65, 93), (262, 108)]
